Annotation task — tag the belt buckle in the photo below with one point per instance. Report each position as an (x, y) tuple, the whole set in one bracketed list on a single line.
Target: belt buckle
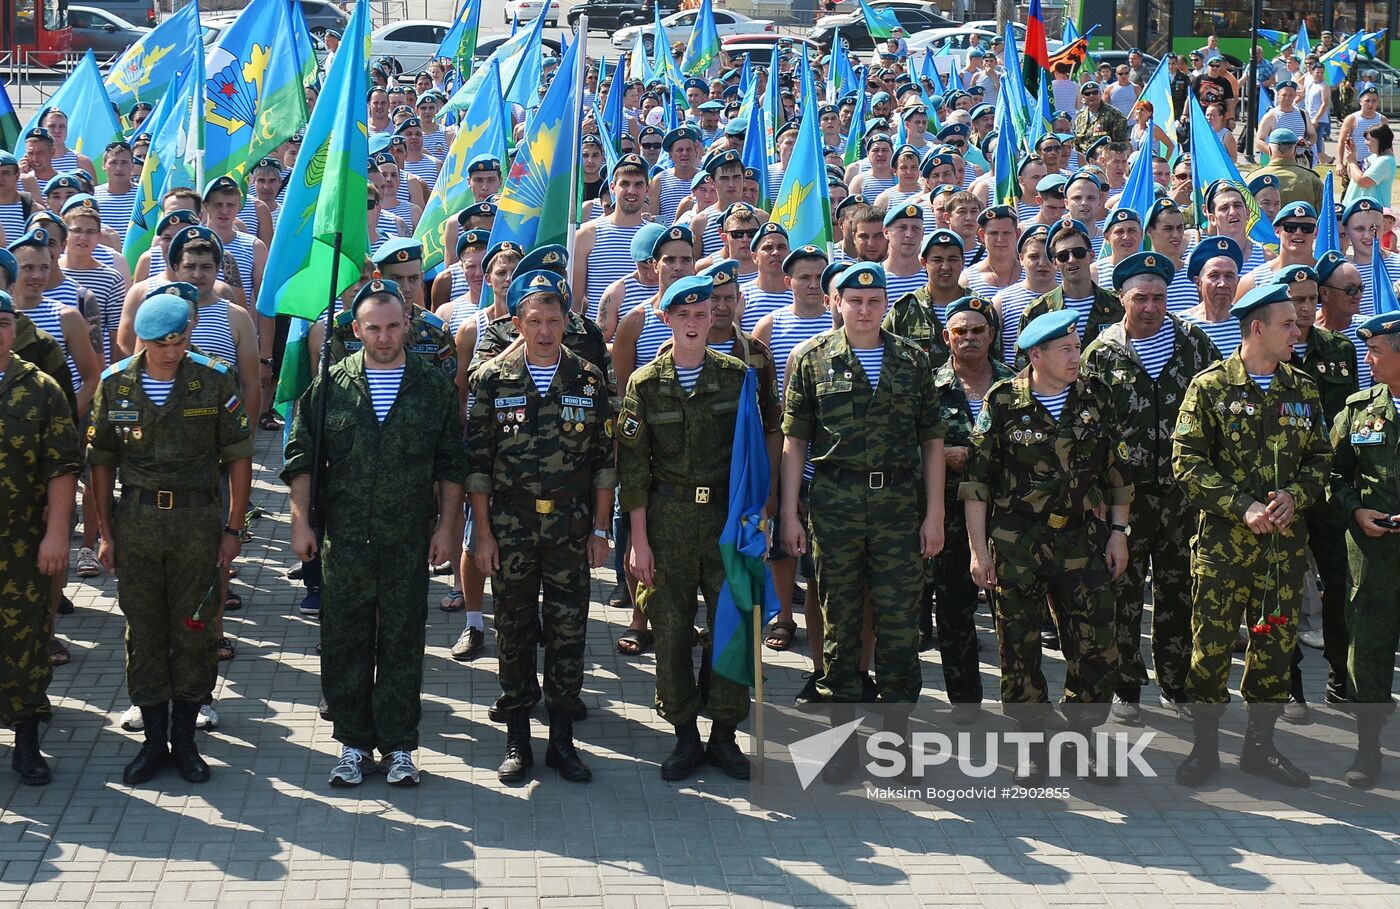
[(702, 495), (876, 479), (1057, 521), (165, 499), (544, 506)]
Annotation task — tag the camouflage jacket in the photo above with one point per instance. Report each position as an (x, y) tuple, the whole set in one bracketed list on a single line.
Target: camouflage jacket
[(1025, 461), (829, 402), (914, 318), (1145, 410), (1234, 443), (555, 445), (41, 443), (1365, 462), (582, 337), (178, 446), (41, 348), (427, 338), (1330, 361), (956, 413), (378, 478), (758, 357), (1107, 310), (1088, 126)]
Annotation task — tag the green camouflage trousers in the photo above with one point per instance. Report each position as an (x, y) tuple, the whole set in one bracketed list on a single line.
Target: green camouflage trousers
[(684, 540), (25, 669), (1373, 616), (372, 637), (1236, 584), (167, 562), (1035, 563), (549, 552), (955, 608), (1161, 537), (866, 541)]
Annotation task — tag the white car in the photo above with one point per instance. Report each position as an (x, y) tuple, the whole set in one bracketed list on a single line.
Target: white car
[(678, 27), (413, 42), (527, 10)]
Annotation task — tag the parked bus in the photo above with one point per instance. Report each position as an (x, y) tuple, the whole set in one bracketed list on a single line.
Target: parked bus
[(38, 28)]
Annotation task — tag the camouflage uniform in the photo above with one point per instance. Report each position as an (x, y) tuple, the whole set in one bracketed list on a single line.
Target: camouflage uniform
[(166, 529), (674, 449), (956, 601), (1088, 126), (913, 316), (1230, 436), (1042, 479), (756, 356), (1330, 359), (582, 337), (427, 337), (40, 444), (378, 509), (1365, 468), (540, 458), (1107, 310), (866, 504), (1145, 411)]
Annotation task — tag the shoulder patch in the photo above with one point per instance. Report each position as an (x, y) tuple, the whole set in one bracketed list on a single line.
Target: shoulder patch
[(202, 360), (343, 318), (432, 319), (117, 367)]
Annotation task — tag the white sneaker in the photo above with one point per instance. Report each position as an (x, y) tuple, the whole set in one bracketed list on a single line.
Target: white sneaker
[(131, 719), (88, 566), (400, 771), (208, 718), (351, 769)]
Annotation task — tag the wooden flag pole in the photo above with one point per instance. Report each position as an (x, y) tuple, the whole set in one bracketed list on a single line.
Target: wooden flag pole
[(758, 688)]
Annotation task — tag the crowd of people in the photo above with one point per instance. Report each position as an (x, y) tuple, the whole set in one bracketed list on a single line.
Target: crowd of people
[(1039, 405)]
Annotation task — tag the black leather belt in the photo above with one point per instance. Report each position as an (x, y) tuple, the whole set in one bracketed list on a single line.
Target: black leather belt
[(165, 499), (871, 479), (700, 495), (545, 504), (1055, 521)]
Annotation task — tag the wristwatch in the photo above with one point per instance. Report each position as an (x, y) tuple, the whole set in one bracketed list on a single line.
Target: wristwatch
[(602, 534), (1125, 529), (236, 534), (266, 361)]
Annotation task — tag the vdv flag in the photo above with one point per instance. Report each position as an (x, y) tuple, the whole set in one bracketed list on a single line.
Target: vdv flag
[(804, 201), (147, 68), (1327, 237)]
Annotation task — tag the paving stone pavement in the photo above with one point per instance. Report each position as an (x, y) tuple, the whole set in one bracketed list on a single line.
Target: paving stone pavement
[(268, 831)]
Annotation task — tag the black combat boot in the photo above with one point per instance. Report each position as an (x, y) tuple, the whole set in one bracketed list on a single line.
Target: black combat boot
[(519, 756), (186, 756), (1260, 757), (27, 760), (1338, 692), (561, 754), (724, 752), (155, 753), (1366, 769), (689, 753), (1204, 759)]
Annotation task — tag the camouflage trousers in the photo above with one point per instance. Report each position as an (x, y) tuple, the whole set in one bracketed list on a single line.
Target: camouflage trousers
[(1239, 579), (1161, 534), (549, 553), (955, 608), (1066, 566), (1327, 539), (25, 669), (1373, 616), (372, 637), (866, 542), (684, 539), (167, 561)]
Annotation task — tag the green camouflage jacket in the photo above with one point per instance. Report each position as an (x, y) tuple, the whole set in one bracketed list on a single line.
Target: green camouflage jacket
[(582, 337), (913, 317), (1107, 310), (1330, 361), (956, 413), (41, 443), (1365, 463), (427, 338)]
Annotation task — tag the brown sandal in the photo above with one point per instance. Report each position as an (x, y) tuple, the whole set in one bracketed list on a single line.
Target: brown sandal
[(780, 635)]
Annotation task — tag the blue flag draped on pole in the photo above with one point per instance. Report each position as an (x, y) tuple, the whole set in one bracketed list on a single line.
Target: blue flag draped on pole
[(1383, 290), (146, 69), (803, 205), (1327, 237), (755, 155), (1139, 191), (748, 580), (1209, 163), (91, 121), (1302, 44)]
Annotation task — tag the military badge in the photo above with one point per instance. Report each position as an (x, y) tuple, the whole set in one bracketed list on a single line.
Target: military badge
[(630, 427)]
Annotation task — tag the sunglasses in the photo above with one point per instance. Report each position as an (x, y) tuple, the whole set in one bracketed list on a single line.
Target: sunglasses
[(1349, 290), (1050, 149), (372, 206), (743, 234), (967, 330), (1295, 227), (1064, 255), (651, 146)]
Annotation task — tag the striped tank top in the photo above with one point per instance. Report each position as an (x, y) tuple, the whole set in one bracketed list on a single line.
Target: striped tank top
[(1225, 335), (248, 214), (212, 334), (759, 303), (106, 284), (47, 317), (654, 334), (1181, 293), (1014, 301), (897, 286), (775, 180), (436, 144), (976, 282), (633, 293), (425, 169), (969, 175), (609, 260), (1293, 120), (1358, 138), (1262, 274), (241, 249), (404, 210), (12, 219), (68, 161), (673, 191), (790, 330), (711, 242), (115, 209), (875, 185), (898, 197), (1363, 369)]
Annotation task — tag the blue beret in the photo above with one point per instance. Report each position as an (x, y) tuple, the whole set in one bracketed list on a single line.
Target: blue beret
[(1050, 326), (1084, 173), (1094, 146), (7, 303), (9, 263), (8, 160), (677, 134), (182, 289), (410, 123), (1263, 181), (907, 211), (1164, 204), (992, 212), (1295, 210), (830, 272), (1213, 248), (722, 159), (862, 275), (941, 237), (800, 253), (1120, 215), (880, 98), (500, 247), (82, 201), (1295, 273), (550, 257), (35, 236), (737, 208), (62, 181), (1385, 323), (699, 179), (374, 288), (980, 305), (954, 129), (852, 199), (724, 271), (644, 239), (485, 207), (1052, 183), (397, 251), (177, 217), (1327, 263), (1359, 205), (1034, 232), (1262, 295), (474, 237), (980, 110), (535, 281), (378, 143), (690, 289), (1368, 90), (1283, 136), (1218, 186), (650, 131), (1048, 137), (1066, 224), (380, 158), (187, 235), (767, 229), (710, 107), (164, 317), (1143, 263), (484, 163), (670, 235), (736, 126), (222, 184), (37, 132), (696, 83)]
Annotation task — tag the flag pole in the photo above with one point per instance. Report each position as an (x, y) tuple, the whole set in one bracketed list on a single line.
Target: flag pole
[(758, 687), (317, 447), (580, 68)]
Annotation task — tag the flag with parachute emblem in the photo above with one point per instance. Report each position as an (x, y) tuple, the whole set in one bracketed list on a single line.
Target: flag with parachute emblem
[(702, 48), (146, 69), (459, 44), (9, 120), (304, 48), (803, 204), (522, 70), (881, 23)]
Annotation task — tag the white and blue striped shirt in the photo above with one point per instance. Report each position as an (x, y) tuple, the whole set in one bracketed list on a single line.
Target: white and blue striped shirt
[(425, 169), (1363, 369), (12, 219), (633, 293), (654, 333), (976, 282), (1081, 305), (1264, 382), (688, 376), (871, 360), (1182, 293), (790, 330), (1155, 352), (115, 209), (48, 316), (157, 390), (674, 189), (1225, 335), (897, 286), (609, 260), (543, 376), (1262, 274), (383, 389), (1013, 301), (759, 303), (212, 334), (1053, 403)]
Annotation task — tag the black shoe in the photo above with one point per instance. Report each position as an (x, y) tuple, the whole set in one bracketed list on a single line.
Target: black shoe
[(561, 753), (519, 756), (869, 691), (183, 752), (578, 710), (1366, 768), (496, 713), (1097, 770), (688, 754), (155, 753), (296, 573), (1338, 692), (809, 693), (27, 760), (65, 606), (620, 598), (965, 714), (1049, 638), (1260, 757), (724, 752), (324, 709), (1204, 759), (927, 641)]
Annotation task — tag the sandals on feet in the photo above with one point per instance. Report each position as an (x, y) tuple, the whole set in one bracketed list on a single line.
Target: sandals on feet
[(453, 602), (233, 603), (58, 653), (780, 635), (634, 641), (226, 649)]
